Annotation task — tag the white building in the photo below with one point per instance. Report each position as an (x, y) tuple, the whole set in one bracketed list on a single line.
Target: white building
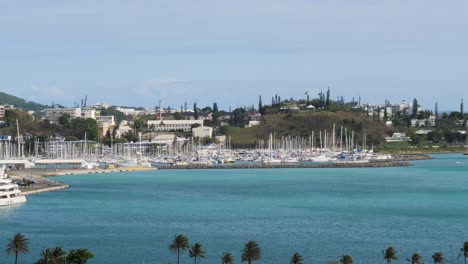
[(128, 111), (88, 113), (122, 130), (173, 125), (106, 119), (398, 137), (4, 108), (54, 114), (202, 132), (253, 123)]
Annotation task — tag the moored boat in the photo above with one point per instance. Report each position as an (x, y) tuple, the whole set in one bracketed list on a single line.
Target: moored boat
[(9, 192)]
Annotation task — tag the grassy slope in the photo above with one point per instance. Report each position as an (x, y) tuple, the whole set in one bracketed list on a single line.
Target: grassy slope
[(302, 124), (20, 103)]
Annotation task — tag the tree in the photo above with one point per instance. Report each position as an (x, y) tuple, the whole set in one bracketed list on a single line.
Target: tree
[(179, 116), (196, 252), (438, 257), (389, 254), (79, 256), (216, 113), (53, 256), (80, 126), (64, 120), (346, 259), (415, 259), (179, 245), (464, 251), (195, 111), (327, 102), (415, 108), (18, 244), (227, 258), (261, 108), (251, 252), (296, 259)]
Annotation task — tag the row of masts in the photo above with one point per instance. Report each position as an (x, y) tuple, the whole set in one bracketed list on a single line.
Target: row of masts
[(321, 140), (84, 149)]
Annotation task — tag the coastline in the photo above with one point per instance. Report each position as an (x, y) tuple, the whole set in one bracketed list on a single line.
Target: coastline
[(45, 183)]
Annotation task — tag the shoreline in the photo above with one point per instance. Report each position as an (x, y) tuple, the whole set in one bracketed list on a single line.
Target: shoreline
[(46, 184)]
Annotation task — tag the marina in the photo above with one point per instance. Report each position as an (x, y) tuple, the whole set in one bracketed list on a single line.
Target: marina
[(320, 212)]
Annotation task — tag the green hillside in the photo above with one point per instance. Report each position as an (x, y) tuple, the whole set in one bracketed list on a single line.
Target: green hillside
[(302, 124), (20, 103)]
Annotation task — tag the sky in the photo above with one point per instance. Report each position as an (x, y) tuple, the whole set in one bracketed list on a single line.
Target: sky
[(137, 52)]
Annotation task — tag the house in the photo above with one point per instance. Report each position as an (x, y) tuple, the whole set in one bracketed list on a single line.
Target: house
[(122, 130), (423, 132), (202, 132), (173, 125), (398, 137), (253, 123), (57, 137), (310, 108)]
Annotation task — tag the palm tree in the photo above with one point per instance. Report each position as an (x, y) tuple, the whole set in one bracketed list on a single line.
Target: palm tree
[(196, 252), (45, 257), (346, 259), (389, 254), (227, 258), (296, 259), (464, 251), (438, 257), (18, 244), (251, 252), (55, 256), (415, 259), (79, 256), (179, 245)]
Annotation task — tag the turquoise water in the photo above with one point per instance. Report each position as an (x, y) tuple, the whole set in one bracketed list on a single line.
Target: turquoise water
[(321, 213)]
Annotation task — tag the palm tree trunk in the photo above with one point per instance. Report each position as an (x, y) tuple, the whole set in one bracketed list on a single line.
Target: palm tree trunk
[(178, 253), (16, 257)]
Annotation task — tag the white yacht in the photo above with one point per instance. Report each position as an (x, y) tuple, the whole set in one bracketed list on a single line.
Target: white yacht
[(9, 192)]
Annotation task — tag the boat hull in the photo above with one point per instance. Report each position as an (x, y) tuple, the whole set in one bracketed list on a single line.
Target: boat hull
[(12, 201)]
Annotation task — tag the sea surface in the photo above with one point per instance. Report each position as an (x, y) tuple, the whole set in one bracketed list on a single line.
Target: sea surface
[(320, 213)]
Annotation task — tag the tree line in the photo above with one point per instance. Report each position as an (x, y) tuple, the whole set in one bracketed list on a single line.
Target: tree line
[(252, 252), (19, 245)]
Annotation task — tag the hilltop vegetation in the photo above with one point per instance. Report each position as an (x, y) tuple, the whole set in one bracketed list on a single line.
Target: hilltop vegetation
[(20, 103), (303, 123)]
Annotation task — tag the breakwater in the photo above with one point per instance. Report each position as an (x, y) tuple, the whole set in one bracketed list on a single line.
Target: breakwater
[(410, 157), (378, 164), (396, 161)]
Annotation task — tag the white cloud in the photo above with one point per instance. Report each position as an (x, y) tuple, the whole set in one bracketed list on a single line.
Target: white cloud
[(41, 91)]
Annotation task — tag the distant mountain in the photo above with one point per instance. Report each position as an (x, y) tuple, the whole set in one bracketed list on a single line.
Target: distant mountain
[(20, 103)]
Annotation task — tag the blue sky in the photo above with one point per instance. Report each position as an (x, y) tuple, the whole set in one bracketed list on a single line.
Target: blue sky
[(137, 52)]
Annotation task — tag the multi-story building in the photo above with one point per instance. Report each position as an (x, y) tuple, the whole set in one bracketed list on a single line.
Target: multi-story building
[(88, 113), (105, 123), (54, 114), (202, 132), (4, 108), (173, 125)]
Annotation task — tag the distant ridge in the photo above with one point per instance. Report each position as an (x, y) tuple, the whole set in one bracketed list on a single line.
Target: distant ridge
[(20, 103)]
